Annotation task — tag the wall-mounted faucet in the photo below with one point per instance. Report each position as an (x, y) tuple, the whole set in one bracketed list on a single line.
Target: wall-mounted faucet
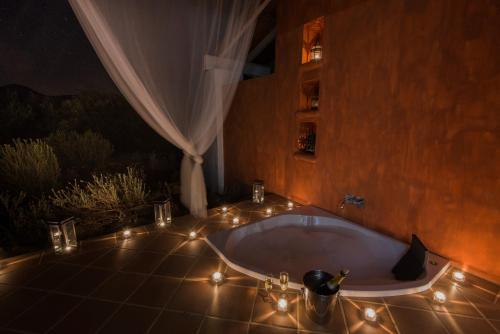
[(354, 200)]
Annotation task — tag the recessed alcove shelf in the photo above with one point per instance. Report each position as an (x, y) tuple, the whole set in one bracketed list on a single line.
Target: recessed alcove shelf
[(306, 139), (312, 41), (309, 96)]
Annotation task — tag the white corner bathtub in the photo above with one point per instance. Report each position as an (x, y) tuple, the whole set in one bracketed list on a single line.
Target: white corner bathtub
[(308, 238)]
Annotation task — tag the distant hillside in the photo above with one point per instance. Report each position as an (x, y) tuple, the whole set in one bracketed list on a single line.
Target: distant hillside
[(25, 113)]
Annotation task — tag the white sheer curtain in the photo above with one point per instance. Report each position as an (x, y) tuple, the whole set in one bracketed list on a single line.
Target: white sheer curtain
[(162, 55)]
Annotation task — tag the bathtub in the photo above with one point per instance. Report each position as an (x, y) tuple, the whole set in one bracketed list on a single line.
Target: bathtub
[(308, 238)]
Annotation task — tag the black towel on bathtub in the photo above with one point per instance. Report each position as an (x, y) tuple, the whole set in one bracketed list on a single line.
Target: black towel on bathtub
[(412, 264)]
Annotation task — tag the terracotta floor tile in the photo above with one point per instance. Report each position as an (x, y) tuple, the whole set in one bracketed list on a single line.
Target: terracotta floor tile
[(85, 257), (267, 313), (231, 302), (456, 303), (86, 318), (465, 325), (204, 267), (130, 319), (119, 287), (5, 289), (164, 243), (137, 241), (193, 297), (261, 329), (21, 275), (192, 247), (54, 276), (144, 262), (489, 309), (16, 302), (176, 266), (219, 326), (45, 314), (155, 291), (116, 259), (236, 278), (416, 322), (334, 324), (414, 301), (357, 324), (176, 322), (85, 282)]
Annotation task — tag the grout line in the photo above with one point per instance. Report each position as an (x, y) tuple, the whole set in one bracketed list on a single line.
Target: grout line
[(85, 298), (479, 311), (344, 318), (390, 316)]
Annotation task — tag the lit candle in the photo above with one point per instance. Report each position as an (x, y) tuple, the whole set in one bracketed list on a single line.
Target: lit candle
[(217, 277), (282, 304), (459, 276), (269, 211), (192, 235), (439, 297), (161, 224), (68, 248), (224, 209), (290, 205), (127, 233), (370, 314), (236, 221)]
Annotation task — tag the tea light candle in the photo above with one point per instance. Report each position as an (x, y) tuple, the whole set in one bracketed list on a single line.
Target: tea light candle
[(290, 205), (439, 297), (282, 304), (127, 233), (269, 211), (236, 221), (224, 209), (192, 235), (217, 277), (458, 276), (370, 314)]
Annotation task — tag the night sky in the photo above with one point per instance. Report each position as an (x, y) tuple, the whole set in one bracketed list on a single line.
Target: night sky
[(42, 46)]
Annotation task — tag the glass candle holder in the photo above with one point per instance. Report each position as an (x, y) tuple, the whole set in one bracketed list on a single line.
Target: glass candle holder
[(284, 280), (63, 235), (163, 213), (258, 192), (268, 283), (316, 51)]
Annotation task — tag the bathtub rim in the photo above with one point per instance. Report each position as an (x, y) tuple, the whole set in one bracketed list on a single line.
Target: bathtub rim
[(399, 288)]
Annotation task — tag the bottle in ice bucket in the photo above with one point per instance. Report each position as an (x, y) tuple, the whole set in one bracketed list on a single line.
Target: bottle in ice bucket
[(334, 283)]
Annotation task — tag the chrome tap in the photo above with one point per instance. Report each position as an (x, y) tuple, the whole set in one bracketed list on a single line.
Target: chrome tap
[(354, 200)]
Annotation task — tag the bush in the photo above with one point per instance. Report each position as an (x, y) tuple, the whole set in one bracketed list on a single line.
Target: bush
[(28, 165), (106, 198), (22, 221), (88, 150)]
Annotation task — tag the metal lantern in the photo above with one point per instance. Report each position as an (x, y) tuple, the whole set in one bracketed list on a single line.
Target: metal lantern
[(163, 213), (316, 51), (314, 102), (63, 235), (258, 192)]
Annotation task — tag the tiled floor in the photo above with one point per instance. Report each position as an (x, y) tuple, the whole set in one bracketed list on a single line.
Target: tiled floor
[(157, 282)]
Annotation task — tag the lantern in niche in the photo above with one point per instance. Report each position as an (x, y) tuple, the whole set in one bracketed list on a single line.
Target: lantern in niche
[(316, 51), (63, 235), (163, 213), (314, 102), (258, 192)]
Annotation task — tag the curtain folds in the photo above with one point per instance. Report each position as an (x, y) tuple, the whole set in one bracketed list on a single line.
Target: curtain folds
[(162, 55)]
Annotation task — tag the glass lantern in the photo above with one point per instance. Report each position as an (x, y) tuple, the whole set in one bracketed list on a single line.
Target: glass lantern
[(258, 192), (163, 213), (316, 51), (63, 235)]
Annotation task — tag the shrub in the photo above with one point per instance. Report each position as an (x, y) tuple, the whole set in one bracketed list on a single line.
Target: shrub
[(22, 221), (88, 150), (28, 165), (105, 198)]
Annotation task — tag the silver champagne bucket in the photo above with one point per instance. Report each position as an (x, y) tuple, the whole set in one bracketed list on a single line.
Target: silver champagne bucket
[(319, 304)]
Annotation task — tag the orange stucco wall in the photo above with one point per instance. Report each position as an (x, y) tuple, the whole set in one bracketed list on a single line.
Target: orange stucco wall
[(409, 119)]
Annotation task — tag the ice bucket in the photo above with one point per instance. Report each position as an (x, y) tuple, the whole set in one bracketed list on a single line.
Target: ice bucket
[(319, 304)]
